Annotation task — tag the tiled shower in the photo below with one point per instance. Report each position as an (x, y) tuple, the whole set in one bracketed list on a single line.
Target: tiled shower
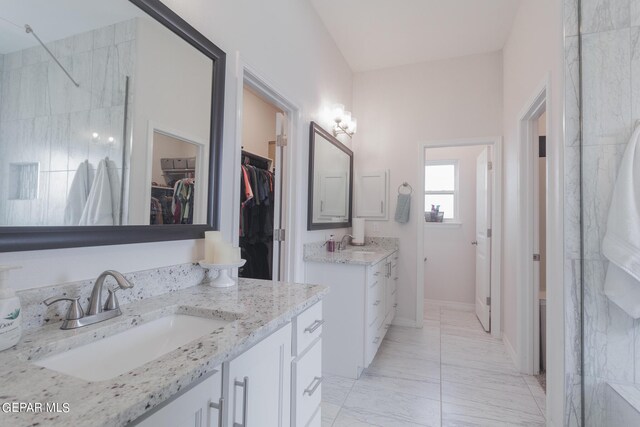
[(602, 92), (57, 125)]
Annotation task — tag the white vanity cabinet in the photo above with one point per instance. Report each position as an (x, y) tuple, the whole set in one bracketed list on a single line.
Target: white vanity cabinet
[(357, 311), (306, 368), (258, 383), (275, 383), (382, 281), (196, 407)]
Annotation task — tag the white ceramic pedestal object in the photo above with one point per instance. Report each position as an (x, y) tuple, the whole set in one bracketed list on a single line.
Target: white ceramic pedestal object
[(223, 280)]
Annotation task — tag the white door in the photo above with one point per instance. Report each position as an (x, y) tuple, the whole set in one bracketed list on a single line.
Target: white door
[(483, 239), (259, 383)]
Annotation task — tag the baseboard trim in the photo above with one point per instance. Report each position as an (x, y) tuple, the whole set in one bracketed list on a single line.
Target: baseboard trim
[(454, 305), (402, 321), (511, 351)]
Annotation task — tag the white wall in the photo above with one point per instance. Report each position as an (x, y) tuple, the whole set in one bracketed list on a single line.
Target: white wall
[(534, 53), (285, 41), (258, 124), (173, 95), (450, 270), (399, 108)]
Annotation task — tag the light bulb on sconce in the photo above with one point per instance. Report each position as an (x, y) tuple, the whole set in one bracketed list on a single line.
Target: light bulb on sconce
[(338, 112), (95, 135), (111, 139), (344, 123)]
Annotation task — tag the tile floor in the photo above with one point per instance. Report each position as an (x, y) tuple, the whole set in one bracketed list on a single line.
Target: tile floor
[(451, 373)]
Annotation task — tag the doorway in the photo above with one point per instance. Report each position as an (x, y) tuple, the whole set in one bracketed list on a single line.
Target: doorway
[(533, 237), (261, 199), (461, 243), (284, 153), (539, 168), (176, 164)]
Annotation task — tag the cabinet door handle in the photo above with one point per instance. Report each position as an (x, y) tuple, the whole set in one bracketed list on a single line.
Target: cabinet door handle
[(219, 407), (315, 325), (381, 206), (313, 387), (245, 401)]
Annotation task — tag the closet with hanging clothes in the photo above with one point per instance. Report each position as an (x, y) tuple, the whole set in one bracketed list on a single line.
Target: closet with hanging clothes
[(257, 188)]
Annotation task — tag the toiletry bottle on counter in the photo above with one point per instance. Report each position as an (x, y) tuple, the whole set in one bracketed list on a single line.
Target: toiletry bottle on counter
[(331, 244), (10, 316)]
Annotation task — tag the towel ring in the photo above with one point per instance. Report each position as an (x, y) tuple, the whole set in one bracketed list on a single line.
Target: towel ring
[(404, 185)]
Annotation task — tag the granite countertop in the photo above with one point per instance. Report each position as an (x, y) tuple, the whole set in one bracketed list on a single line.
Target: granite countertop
[(256, 308), (357, 255)]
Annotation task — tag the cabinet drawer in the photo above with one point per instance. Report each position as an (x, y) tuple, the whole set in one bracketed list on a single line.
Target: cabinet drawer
[(372, 343), (308, 385), (193, 407), (380, 311), (308, 327)]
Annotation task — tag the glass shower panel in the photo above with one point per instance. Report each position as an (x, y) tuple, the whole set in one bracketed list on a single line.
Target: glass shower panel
[(610, 107)]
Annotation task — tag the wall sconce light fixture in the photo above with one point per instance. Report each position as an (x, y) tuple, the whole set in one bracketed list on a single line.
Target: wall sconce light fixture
[(344, 123)]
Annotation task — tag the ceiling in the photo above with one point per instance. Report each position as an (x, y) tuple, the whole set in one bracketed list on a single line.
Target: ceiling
[(55, 20), (375, 34)]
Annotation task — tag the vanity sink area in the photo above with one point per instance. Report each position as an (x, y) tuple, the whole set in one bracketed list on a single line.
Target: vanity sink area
[(130, 349), (167, 351)]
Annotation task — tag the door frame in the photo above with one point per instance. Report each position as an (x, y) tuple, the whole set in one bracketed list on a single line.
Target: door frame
[(249, 76), (201, 163), (496, 227), (528, 341)]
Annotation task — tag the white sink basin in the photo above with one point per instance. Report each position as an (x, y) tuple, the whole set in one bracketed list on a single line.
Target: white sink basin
[(112, 356)]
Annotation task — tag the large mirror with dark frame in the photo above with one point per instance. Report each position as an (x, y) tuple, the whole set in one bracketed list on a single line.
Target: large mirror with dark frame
[(330, 181), (110, 124)]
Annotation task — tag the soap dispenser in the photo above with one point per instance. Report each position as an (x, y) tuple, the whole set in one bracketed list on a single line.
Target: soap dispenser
[(331, 244), (10, 312)]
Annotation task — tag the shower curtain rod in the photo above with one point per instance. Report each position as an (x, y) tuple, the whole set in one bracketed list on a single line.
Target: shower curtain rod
[(29, 30)]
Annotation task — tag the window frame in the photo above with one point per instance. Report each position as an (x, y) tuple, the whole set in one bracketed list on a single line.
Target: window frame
[(456, 188)]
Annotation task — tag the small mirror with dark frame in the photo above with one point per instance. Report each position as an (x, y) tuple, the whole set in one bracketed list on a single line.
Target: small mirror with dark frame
[(110, 125), (330, 181)]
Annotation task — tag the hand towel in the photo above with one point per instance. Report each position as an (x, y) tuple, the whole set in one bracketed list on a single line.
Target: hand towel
[(78, 194), (100, 204), (403, 207), (622, 238)]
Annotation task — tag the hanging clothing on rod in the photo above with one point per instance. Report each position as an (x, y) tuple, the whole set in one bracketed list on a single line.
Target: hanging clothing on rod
[(256, 219), (182, 204)]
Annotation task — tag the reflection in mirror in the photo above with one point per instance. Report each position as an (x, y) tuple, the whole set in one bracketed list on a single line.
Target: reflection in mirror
[(92, 100), (330, 186)]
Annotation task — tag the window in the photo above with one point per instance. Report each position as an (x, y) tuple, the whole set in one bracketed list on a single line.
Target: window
[(441, 187)]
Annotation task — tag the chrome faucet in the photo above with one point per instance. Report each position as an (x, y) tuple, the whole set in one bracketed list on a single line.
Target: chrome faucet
[(95, 302), (96, 312), (341, 245)]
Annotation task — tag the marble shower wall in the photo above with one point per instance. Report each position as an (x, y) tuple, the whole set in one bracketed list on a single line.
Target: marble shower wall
[(572, 249), (45, 119), (610, 30)]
